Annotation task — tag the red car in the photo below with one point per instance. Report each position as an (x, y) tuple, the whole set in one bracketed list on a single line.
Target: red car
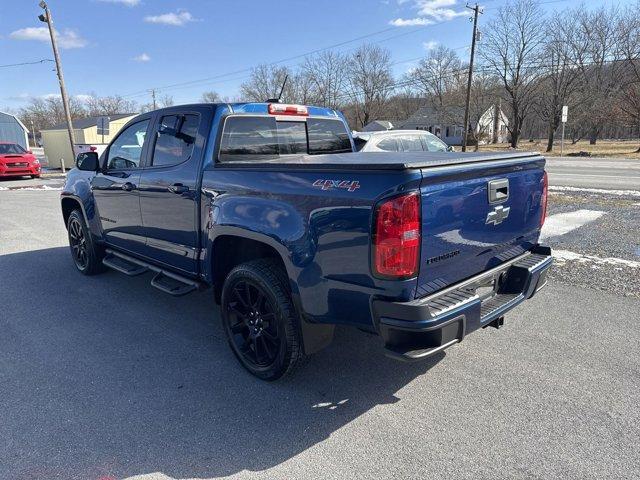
[(15, 161)]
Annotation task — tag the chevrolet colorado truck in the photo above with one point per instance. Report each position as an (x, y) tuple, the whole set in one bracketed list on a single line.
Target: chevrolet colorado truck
[(269, 206)]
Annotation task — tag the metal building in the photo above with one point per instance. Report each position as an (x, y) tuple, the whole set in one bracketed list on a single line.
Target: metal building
[(13, 130)]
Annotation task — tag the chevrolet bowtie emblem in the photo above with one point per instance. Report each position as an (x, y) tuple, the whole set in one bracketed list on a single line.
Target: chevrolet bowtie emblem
[(498, 215)]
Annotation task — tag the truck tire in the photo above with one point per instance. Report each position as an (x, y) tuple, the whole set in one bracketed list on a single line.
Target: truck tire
[(260, 320), (87, 256)]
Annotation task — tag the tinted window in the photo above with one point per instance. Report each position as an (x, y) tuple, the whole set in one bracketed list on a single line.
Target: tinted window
[(327, 136), (246, 137), (292, 137), (176, 137), (249, 136), (434, 144), (412, 144), (388, 145), (126, 150), (11, 149)]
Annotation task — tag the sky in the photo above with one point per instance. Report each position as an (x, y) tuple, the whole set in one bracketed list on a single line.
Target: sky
[(128, 47)]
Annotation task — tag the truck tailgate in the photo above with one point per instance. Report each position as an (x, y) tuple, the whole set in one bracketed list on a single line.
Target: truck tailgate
[(477, 216)]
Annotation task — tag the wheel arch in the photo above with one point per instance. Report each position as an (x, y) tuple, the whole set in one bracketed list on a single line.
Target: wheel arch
[(70, 203), (234, 245)]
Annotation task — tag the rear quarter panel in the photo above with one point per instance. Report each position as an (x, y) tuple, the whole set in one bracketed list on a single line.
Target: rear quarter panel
[(323, 234)]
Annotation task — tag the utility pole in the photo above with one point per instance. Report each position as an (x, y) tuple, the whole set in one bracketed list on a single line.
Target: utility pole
[(46, 18), (153, 97), (33, 133), (476, 11)]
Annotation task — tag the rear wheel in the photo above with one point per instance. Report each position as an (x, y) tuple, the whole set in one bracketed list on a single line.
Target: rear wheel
[(260, 320), (86, 255)]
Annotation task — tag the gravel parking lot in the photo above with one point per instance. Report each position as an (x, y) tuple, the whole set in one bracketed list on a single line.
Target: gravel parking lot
[(108, 378)]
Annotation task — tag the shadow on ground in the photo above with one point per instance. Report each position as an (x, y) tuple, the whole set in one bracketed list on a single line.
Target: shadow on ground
[(106, 376)]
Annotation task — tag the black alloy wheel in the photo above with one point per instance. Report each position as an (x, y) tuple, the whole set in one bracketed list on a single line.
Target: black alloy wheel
[(78, 243), (253, 324), (87, 255), (260, 321)]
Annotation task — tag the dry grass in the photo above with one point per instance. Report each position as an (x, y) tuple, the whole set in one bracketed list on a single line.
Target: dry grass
[(603, 148)]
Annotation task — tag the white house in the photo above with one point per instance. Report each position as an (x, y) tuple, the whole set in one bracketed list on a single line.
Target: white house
[(377, 126), (447, 124)]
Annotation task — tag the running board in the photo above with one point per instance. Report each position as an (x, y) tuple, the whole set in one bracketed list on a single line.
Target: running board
[(123, 266), (166, 281)]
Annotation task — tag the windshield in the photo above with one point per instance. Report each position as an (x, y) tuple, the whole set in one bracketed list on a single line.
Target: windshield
[(11, 148), (254, 138)]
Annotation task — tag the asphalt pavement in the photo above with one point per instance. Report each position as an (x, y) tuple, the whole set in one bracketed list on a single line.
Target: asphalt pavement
[(106, 377), (604, 173)]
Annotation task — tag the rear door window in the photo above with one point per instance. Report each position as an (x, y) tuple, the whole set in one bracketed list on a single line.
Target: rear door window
[(389, 145), (176, 137), (412, 143)]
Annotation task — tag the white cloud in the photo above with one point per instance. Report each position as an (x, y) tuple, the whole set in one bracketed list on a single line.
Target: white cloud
[(177, 19), (430, 45), (437, 9), (429, 11), (67, 39), (143, 57), (128, 3), (410, 22)]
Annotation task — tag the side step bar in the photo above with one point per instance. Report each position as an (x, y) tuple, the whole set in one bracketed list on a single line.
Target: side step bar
[(166, 281)]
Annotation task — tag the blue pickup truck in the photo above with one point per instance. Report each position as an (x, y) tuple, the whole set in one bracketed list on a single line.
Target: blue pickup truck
[(269, 205)]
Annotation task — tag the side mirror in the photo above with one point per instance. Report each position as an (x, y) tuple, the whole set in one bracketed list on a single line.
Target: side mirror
[(450, 149), (88, 161)]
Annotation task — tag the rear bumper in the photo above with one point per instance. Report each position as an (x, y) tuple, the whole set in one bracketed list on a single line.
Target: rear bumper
[(423, 327)]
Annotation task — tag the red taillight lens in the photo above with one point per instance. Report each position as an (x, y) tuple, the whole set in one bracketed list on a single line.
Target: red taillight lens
[(285, 109), (93, 149), (396, 237), (543, 200)]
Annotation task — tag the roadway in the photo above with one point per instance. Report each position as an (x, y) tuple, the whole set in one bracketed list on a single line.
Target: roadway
[(601, 173)]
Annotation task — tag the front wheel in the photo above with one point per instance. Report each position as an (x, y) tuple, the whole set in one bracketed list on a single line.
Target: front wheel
[(260, 320), (86, 255)]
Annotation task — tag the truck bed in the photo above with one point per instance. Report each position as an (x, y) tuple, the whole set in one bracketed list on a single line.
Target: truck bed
[(379, 160)]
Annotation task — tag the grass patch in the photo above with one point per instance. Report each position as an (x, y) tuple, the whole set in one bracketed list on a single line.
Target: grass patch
[(603, 148)]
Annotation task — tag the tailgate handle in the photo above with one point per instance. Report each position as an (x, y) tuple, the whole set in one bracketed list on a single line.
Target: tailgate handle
[(498, 190)]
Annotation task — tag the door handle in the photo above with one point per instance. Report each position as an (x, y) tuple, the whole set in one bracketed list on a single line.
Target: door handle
[(178, 188), (128, 186)]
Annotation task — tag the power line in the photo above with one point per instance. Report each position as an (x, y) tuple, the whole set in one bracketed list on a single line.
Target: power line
[(26, 63), (191, 83)]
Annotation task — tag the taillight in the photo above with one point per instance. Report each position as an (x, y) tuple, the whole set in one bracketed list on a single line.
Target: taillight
[(543, 200), (93, 149), (396, 237), (285, 109)]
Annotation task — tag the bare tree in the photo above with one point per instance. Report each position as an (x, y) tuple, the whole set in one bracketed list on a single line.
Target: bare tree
[(482, 108), (511, 50), (629, 46), (110, 105), (596, 55), (328, 74), (370, 82), (439, 75), (48, 111), (210, 97), (561, 81), (266, 82)]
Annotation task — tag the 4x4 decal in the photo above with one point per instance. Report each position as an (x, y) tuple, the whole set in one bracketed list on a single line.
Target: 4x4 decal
[(349, 185)]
